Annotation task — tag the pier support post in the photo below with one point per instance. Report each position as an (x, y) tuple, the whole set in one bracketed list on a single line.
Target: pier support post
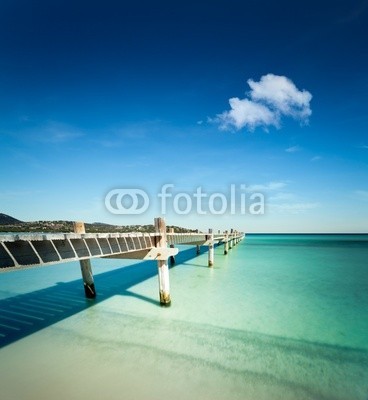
[(210, 249), (226, 245), (86, 268), (231, 241), (198, 250), (172, 258), (163, 268)]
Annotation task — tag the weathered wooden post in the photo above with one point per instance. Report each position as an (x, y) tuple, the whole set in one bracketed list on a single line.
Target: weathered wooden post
[(86, 268), (231, 239), (198, 247), (163, 268), (172, 258), (226, 246), (210, 249)]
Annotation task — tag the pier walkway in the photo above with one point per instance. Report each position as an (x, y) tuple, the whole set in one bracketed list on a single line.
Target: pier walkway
[(25, 250)]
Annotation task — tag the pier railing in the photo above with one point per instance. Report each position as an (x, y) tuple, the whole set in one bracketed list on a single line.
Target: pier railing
[(24, 250)]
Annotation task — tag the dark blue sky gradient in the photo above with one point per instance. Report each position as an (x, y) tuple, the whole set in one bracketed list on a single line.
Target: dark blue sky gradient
[(152, 70)]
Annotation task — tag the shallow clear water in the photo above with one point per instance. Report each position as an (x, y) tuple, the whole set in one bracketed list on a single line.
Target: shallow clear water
[(280, 317)]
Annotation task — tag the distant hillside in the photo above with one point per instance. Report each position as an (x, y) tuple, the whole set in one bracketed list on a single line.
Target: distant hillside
[(10, 224), (8, 220)]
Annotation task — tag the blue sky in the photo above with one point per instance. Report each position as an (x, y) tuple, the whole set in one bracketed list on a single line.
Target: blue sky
[(96, 96)]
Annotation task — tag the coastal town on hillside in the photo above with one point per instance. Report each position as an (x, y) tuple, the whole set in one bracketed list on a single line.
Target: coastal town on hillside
[(11, 224)]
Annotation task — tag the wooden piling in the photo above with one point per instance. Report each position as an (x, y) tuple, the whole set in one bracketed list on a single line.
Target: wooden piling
[(86, 268), (172, 258), (210, 249), (198, 250), (226, 246), (231, 242), (163, 269)]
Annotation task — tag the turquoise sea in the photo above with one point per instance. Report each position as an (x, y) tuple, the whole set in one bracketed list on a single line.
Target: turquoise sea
[(279, 317)]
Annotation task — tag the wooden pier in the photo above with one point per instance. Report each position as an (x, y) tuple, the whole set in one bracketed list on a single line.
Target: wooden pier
[(25, 250)]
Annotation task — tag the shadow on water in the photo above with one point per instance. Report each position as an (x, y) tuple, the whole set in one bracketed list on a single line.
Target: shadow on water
[(25, 314)]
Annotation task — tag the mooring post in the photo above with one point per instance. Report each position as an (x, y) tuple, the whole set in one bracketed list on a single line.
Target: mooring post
[(226, 246), (86, 268), (172, 258), (210, 249), (231, 238), (163, 268)]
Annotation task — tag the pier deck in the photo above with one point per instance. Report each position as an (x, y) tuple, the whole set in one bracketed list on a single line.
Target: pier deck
[(25, 250), (22, 250)]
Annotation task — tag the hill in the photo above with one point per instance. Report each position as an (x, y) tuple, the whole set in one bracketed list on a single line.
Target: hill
[(8, 220), (10, 224)]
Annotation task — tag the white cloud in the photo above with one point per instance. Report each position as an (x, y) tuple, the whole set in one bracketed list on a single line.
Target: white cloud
[(266, 187), (280, 201), (56, 132), (270, 99), (316, 158), (293, 208), (15, 194), (246, 113), (282, 196), (293, 149), (282, 95)]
